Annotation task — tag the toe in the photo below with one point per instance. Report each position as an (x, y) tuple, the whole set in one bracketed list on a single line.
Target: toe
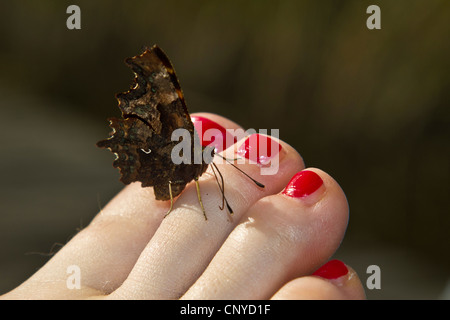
[(282, 237)]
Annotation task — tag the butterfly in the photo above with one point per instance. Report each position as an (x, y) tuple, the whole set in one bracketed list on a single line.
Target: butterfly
[(141, 140)]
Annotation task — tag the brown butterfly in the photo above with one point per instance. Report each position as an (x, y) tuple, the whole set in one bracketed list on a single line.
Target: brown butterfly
[(142, 139)]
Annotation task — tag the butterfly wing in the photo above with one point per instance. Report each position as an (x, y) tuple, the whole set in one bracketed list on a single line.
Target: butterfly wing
[(152, 109)]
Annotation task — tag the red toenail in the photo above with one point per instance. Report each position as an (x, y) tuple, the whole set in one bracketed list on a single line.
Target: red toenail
[(332, 270), (303, 184), (212, 133), (259, 148)]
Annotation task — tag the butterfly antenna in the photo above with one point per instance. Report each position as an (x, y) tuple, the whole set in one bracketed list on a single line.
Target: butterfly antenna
[(222, 188), (228, 159), (259, 184)]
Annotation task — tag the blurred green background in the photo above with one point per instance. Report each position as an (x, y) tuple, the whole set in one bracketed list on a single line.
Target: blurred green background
[(370, 107)]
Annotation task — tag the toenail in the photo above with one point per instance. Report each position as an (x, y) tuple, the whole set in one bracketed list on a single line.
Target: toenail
[(332, 270), (303, 184), (259, 148), (213, 134)]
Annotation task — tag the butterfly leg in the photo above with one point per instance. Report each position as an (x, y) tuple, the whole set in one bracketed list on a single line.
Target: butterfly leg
[(200, 197), (222, 188), (171, 199)]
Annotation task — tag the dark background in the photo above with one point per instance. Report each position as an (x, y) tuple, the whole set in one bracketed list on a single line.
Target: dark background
[(370, 107)]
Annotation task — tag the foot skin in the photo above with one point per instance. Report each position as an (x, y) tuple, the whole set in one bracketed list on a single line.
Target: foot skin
[(272, 246)]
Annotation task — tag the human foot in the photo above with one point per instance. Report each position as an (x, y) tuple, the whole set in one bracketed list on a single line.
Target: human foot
[(276, 238)]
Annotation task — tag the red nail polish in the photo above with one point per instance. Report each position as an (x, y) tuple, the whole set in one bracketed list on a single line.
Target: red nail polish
[(259, 148), (212, 133), (303, 184), (332, 270)]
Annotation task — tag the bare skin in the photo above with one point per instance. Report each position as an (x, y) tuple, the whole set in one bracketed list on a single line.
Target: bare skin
[(268, 249)]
